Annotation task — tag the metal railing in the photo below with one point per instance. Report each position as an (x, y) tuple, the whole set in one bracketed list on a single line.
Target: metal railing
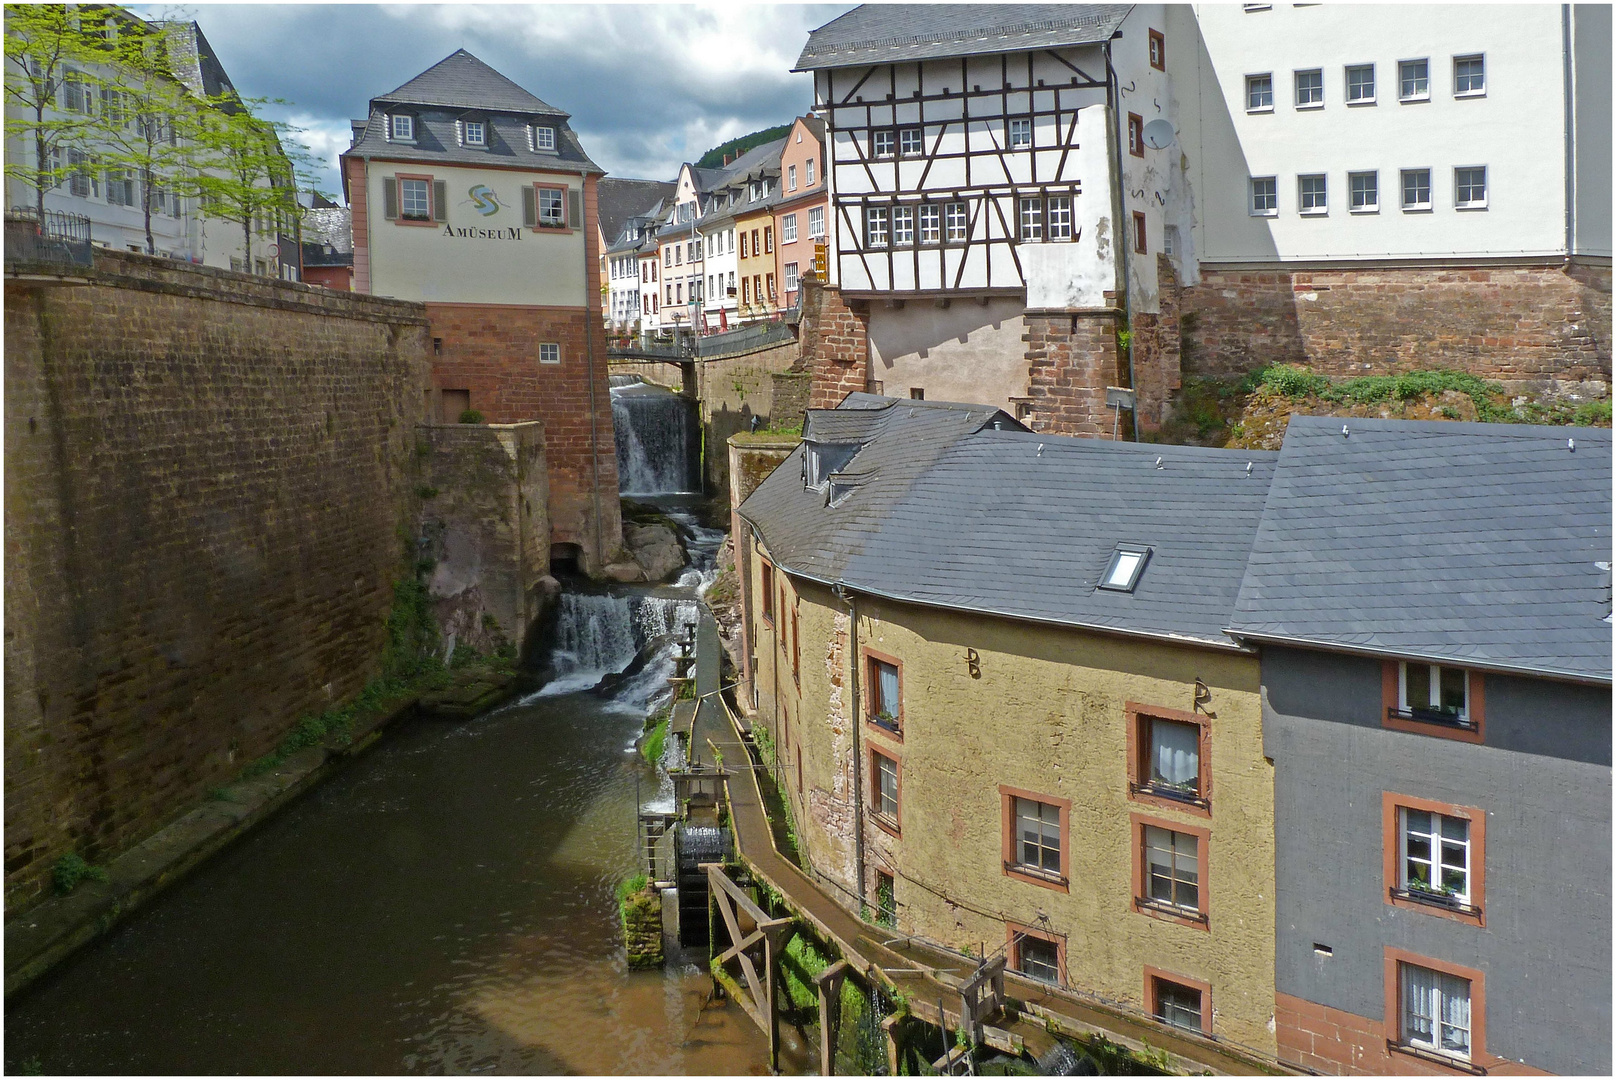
[(58, 238)]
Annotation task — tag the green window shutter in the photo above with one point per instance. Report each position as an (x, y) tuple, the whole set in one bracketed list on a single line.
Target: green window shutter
[(440, 200), (575, 209), (530, 209), (390, 198)]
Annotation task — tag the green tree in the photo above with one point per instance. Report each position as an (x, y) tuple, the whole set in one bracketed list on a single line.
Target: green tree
[(50, 97), (253, 165)]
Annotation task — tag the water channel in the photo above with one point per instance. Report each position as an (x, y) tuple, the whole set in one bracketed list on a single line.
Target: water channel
[(444, 904)]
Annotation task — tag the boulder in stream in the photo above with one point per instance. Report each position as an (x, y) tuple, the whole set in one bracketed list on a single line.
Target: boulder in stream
[(655, 549)]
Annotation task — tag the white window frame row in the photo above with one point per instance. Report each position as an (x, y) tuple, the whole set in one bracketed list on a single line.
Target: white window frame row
[(1470, 192), (1359, 86)]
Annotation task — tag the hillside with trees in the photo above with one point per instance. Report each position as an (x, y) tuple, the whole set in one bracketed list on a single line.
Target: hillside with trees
[(714, 158)]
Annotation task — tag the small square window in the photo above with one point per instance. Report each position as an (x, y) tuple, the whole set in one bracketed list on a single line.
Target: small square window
[(1032, 218), (1435, 1011), (544, 138), (553, 212), (1259, 93), (1036, 957), (1123, 571), (414, 200), (881, 144), (1469, 76), (875, 227), (1435, 693), (1313, 194), (403, 127), (909, 144), (1310, 89), (1470, 187), (1059, 217), (1173, 767), (1172, 877), (1361, 84), (1037, 836), (549, 353), (1434, 856), (1264, 196), (1363, 188), (903, 225), (1416, 189), (956, 223), (474, 132), (1020, 133), (1414, 80), (1178, 1005), (931, 229)]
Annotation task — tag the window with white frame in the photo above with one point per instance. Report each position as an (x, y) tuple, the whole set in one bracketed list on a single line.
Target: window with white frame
[(816, 222), (909, 143), (1433, 855), (1172, 868), (1264, 196), (788, 229), (903, 225), (553, 211), (886, 794), (1469, 76), (475, 132), (1414, 80), (1361, 84), (1032, 218), (1037, 836), (543, 138), (1416, 189), (1310, 89), (1059, 217), (1260, 93), (76, 93), (1178, 1005), (1435, 1008), (1363, 191), (881, 144), (1435, 692), (1037, 957), (791, 178), (401, 127), (549, 352), (955, 223), (792, 277), (1019, 133), (931, 223), (414, 200), (810, 175), (1312, 194), (1470, 187), (875, 226)]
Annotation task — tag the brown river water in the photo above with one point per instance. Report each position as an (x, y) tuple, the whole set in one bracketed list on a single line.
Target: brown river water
[(442, 905)]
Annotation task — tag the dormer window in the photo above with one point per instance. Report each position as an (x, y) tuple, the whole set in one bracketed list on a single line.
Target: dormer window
[(400, 127), (1122, 572), (476, 133), (820, 460), (544, 138), (754, 191)]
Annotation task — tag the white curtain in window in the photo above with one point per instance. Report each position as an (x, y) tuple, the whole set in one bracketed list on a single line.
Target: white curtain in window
[(1175, 753), (1436, 1010), (889, 690)]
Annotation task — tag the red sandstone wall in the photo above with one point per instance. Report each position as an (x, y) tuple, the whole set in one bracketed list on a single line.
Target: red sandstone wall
[(1331, 1042), (1072, 358), (206, 477), (835, 343), (1506, 323)]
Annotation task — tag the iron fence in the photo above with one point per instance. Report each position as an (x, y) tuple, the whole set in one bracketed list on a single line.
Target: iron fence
[(54, 238)]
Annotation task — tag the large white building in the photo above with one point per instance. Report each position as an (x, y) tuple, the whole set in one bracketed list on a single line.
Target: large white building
[(1041, 160), (111, 198)]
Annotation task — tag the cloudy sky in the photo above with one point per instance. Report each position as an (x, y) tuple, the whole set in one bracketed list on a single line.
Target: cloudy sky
[(648, 86)]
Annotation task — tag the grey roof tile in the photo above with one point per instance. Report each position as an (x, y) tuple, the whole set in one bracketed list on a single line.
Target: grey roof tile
[(462, 81), (620, 199), (1438, 540), (900, 33)]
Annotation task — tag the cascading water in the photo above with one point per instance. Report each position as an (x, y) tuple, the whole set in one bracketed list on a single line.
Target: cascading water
[(601, 634), (658, 439)]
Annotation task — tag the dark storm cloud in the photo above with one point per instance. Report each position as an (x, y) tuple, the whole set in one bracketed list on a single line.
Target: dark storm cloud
[(648, 86)]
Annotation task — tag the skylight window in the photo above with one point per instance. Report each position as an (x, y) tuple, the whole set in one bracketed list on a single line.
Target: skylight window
[(1127, 563)]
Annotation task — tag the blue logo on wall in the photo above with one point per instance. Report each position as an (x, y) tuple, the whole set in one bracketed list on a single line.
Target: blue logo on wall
[(483, 199)]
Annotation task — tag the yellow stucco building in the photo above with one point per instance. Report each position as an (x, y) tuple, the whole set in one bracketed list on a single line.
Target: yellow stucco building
[(1004, 710)]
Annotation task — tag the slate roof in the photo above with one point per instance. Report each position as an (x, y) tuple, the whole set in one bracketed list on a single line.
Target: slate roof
[(953, 513), (1469, 543), (461, 81), (621, 199), (904, 33), (194, 62)]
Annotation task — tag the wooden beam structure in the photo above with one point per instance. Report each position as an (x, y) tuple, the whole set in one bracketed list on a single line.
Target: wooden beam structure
[(829, 983), (752, 961)]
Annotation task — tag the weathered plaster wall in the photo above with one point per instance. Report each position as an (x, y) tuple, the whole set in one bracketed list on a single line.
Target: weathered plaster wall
[(1046, 715), (484, 526), (207, 479), (735, 390), (967, 351)]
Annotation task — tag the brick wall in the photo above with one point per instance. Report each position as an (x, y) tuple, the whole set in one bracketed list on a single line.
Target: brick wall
[(483, 517), (492, 351), (206, 476), (835, 342), (1155, 351), (1516, 324), (1332, 1042), (1072, 358)]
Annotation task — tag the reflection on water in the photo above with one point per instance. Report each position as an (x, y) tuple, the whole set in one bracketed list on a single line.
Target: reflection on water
[(444, 905)]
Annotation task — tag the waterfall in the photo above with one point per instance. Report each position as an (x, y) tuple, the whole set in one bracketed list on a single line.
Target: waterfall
[(658, 439), (599, 634)]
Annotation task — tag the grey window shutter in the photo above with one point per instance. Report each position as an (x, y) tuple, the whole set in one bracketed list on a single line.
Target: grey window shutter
[(530, 210), (390, 198), (440, 200), (575, 209)]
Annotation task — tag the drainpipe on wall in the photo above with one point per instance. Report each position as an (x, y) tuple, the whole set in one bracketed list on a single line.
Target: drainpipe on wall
[(1124, 228), (853, 721)]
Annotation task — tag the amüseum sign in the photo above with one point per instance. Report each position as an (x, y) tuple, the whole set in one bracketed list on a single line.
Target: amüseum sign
[(508, 233)]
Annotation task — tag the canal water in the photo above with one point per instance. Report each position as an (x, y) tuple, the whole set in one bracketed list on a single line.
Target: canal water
[(445, 904)]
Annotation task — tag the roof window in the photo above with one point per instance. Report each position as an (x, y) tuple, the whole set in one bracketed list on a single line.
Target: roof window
[(474, 132), (1127, 563), (400, 127), (543, 138)]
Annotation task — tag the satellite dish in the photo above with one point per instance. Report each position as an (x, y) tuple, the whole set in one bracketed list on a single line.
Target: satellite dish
[(1159, 134)]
